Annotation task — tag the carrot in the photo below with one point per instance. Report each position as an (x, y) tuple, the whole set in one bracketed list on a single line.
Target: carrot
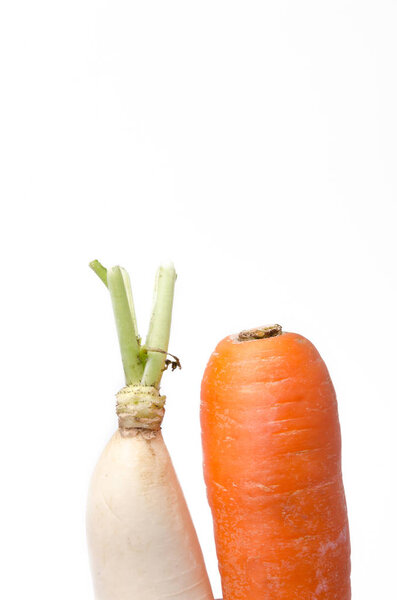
[(272, 466)]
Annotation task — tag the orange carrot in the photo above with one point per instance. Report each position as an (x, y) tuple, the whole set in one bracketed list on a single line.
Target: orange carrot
[(272, 465)]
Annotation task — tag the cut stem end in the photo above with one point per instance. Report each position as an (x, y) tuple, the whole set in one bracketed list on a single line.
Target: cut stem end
[(260, 333)]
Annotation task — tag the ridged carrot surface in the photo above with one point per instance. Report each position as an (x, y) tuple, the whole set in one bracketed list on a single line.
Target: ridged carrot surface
[(272, 466)]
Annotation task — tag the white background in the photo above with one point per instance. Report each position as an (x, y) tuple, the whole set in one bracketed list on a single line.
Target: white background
[(254, 143)]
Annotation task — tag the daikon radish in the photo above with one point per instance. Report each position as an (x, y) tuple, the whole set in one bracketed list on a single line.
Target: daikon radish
[(142, 542)]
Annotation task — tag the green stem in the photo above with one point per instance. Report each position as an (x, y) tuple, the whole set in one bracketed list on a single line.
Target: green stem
[(100, 271), (119, 286), (128, 291), (142, 364), (160, 324)]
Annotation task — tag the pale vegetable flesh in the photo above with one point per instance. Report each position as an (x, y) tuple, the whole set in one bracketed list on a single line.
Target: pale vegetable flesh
[(142, 542)]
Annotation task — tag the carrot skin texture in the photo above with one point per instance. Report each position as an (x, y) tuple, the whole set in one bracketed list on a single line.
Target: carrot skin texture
[(272, 466)]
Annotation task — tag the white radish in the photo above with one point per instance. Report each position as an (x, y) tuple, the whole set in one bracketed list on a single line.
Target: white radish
[(142, 542)]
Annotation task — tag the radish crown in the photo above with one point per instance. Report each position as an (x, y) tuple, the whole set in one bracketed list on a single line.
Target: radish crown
[(143, 364)]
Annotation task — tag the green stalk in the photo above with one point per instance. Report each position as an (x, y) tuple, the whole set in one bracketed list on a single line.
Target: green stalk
[(100, 270), (160, 324), (123, 308), (128, 291), (142, 364)]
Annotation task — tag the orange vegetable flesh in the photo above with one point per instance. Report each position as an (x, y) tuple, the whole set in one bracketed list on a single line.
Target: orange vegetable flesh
[(272, 466)]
